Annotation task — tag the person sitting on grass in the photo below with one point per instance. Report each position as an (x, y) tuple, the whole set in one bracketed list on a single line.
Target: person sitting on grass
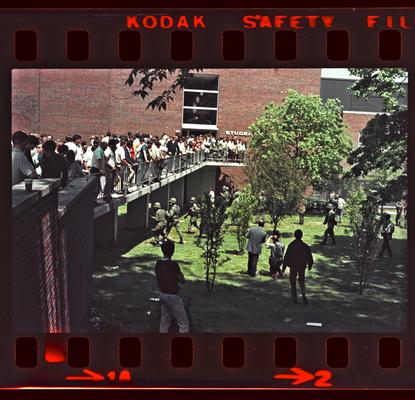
[(276, 257), (169, 275)]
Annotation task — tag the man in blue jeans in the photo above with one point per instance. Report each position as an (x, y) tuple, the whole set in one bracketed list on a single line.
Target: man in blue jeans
[(168, 277)]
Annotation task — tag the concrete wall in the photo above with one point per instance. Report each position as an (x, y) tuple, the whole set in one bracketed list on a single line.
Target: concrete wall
[(76, 232), (35, 260), (199, 182)]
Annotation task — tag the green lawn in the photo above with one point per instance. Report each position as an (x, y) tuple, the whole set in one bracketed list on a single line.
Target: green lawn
[(125, 289)]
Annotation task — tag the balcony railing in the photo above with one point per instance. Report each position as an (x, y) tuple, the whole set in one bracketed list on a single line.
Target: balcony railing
[(128, 178)]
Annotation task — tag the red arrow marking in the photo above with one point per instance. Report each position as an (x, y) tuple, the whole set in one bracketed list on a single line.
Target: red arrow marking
[(111, 375), (300, 376), (92, 376)]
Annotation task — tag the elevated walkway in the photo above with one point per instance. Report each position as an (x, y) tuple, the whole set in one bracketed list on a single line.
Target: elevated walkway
[(196, 179)]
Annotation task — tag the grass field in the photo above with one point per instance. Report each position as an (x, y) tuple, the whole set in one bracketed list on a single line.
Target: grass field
[(125, 291)]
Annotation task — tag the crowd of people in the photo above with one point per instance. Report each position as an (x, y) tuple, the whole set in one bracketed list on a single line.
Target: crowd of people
[(121, 161)]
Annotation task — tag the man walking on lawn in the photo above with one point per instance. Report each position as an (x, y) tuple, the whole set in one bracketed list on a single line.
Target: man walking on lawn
[(169, 275), (298, 257), (330, 221), (256, 236)]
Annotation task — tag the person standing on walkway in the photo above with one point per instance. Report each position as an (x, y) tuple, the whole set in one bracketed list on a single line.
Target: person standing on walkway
[(298, 257), (21, 167), (256, 237), (173, 219), (330, 221), (53, 165), (169, 275)]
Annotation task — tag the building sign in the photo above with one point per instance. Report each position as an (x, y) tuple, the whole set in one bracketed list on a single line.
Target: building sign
[(238, 133)]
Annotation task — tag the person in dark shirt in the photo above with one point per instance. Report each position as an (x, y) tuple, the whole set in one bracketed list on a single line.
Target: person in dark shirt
[(168, 277), (53, 165), (330, 221), (172, 146), (297, 258)]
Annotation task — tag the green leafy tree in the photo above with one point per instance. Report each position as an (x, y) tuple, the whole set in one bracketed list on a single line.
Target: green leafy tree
[(144, 80), (365, 227), (241, 212), (310, 131), (212, 218), (383, 142), (278, 178), (384, 83)]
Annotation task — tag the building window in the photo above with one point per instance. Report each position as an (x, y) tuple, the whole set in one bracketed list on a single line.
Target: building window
[(332, 88), (200, 102)]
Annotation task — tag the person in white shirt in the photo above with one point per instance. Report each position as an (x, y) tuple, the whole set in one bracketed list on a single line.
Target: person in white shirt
[(121, 163), (21, 167), (182, 147), (88, 157), (79, 152), (70, 144), (341, 204), (136, 145), (111, 165), (231, 149), (106, 138)]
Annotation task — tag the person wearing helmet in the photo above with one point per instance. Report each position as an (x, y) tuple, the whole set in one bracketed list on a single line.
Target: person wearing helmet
[(173, 215), (160, 218), (226, 196), (193, 213), (330, 221)]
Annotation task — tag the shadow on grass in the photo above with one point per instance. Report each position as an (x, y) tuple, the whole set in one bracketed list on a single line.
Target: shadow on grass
[(233, 252), (126, 299), (253, 306)]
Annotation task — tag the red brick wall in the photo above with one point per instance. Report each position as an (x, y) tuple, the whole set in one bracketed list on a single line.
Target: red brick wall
[(35, 252), (52, 260), (65, 102), (355, 123)]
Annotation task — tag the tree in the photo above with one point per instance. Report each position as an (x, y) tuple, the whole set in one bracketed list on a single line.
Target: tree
[(310, 130), (144, 80), (241, 212), (365, 227), (384, 83), (212, 218), (277, 176), (383, 142)]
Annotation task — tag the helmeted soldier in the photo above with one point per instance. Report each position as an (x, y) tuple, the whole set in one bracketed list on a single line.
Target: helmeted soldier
[(160, 218), (226, 196), (173, 219), (192, 213), (330, 221)]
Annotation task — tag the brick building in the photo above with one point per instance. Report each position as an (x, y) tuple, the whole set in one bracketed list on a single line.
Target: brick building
[(63, 102)]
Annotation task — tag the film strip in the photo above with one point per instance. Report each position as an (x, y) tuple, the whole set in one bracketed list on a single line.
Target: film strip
[(237, 39)]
